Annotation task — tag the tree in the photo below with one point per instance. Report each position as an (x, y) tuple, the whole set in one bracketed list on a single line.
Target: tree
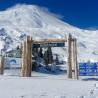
[(17, 47), (35, 51), (45, 58), (50, 55), (40, 54), (57, 60)]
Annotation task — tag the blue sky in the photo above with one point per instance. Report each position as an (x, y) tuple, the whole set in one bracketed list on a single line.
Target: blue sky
[(80, 13)]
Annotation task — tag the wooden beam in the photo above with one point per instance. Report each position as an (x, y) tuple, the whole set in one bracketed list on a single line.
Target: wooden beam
[(28, 57), (2, 65), (49, 40), (23, 66), (75, 59), (69, 66)]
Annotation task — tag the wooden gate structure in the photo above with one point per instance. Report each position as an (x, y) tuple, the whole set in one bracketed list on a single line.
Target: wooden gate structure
[(71, 43)]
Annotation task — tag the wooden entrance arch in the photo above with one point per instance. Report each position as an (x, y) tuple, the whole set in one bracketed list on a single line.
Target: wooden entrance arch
[(71, 51)]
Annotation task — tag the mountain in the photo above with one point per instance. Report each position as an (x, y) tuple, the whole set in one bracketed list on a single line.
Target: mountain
[(38, 22)]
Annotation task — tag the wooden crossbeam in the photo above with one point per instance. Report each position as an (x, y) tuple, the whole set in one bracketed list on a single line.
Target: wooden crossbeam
[(48, 40)]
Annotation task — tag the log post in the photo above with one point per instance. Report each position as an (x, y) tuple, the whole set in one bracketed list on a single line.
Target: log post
[(69, 67), (28, 57), (31, 55), (23, 59), (75, 60), (2, 65)]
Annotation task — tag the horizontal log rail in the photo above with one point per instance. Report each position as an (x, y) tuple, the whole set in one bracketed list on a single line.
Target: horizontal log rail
[(49, 40)]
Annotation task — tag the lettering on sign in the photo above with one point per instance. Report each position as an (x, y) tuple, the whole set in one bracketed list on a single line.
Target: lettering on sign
[(48, 45), (88, 69)]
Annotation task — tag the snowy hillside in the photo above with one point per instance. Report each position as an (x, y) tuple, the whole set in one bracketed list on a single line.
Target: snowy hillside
[(38, 22)]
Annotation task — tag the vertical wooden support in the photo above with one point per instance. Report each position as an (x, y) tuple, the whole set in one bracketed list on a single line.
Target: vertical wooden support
[(27, 60), (75, 59), (28, 57), (23, 59), (69, 66), (2, 65)]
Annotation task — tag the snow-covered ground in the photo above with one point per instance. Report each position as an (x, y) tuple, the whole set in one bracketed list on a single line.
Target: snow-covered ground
[(40, 85)]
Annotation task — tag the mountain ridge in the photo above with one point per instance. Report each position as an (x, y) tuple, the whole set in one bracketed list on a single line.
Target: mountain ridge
[(38, 22)]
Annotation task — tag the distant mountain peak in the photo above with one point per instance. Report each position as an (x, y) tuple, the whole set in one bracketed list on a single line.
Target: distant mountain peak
[(38, 22)]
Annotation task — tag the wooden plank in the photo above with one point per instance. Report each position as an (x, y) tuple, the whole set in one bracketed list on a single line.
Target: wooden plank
[(69, 66)]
